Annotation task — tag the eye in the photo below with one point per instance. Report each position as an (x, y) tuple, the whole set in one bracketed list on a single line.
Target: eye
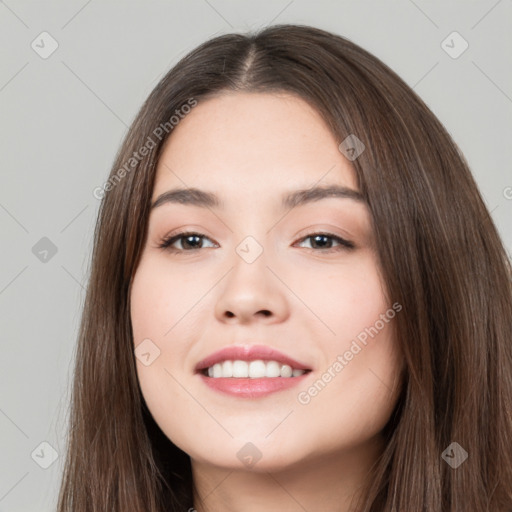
[(191, 239), (322, 239), (193, 242)]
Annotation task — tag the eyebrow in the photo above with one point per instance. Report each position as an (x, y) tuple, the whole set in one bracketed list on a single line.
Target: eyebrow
[(204, 199)]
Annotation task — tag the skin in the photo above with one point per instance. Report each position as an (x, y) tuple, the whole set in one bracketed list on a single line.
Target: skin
[(250, 148)]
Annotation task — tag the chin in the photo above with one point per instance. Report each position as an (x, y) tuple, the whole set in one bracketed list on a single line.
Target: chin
[(254, 454)]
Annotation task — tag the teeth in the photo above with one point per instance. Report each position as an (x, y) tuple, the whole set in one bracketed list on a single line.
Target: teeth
[(227, 369), (253, 369), (240, 369), (257, 369), (273, 369)]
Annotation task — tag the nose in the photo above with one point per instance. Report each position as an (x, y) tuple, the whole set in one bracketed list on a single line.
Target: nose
[(252, 293)]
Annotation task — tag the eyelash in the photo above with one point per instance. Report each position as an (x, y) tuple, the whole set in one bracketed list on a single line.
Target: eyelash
[(166, 243)]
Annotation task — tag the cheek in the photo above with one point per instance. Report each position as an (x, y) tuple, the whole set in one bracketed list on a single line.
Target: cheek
[(355, 392), (156, 301), (359, 375), (364, 327), (155, 307), (346, 300), (161, 315)]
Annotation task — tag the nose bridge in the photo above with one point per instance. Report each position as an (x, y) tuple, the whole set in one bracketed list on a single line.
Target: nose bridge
[(249, 262), (250, 286), (250, 226), (250, 249), (255, 246)]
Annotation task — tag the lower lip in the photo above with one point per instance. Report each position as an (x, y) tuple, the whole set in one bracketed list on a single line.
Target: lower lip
[(252, 388)]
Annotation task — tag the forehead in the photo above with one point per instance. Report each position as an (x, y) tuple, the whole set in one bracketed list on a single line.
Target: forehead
[(252, 142)]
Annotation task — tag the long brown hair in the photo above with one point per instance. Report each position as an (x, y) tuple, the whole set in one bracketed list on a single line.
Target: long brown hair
[(441, 258)]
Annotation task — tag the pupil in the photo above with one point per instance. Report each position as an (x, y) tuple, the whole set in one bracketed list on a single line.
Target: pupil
[(187, 238), (315, 238)]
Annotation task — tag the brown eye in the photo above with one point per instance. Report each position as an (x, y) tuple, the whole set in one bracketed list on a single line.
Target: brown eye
[(321, 241), (190, 242)]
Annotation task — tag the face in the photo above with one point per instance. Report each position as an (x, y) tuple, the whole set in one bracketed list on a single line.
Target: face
[(301, 278)]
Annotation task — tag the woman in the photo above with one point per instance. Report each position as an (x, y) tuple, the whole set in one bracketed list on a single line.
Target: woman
[(298, 299)]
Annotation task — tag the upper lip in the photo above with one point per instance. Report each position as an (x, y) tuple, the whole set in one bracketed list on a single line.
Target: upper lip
[(249, 353)]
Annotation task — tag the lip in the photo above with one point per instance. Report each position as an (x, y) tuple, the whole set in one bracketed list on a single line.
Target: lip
[(248, 387), (251, 388), (249, 353)]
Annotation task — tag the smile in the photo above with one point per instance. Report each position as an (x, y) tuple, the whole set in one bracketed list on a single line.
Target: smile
[(252, 369)]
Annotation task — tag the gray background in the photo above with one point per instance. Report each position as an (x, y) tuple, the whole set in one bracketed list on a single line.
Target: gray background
[(64, 117)]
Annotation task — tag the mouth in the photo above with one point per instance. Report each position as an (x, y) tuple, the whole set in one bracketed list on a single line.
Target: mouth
[(255, 369), (250, 371)]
